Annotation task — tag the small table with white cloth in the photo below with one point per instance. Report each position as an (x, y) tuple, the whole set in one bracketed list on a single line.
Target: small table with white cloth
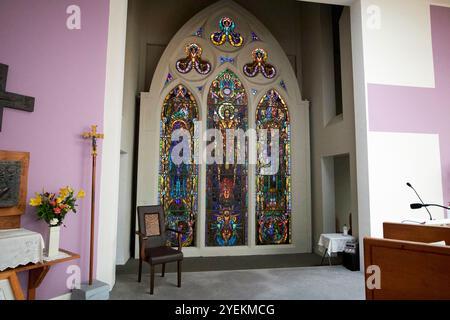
[(333, 243), (20, 247), (22, 250)]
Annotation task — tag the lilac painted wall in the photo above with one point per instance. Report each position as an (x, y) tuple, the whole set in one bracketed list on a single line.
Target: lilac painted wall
[(65, 70), (420, 110)]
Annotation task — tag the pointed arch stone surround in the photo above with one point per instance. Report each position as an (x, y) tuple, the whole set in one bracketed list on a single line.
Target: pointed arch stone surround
[(233, 58)]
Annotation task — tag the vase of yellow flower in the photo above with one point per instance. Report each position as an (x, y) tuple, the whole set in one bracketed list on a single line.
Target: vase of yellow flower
[(53, 208), (53, 241)]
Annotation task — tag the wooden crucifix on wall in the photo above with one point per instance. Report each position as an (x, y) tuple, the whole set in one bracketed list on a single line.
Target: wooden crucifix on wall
[(12, 100)]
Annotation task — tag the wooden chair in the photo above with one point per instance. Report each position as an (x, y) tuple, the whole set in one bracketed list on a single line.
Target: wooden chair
[(153, 243)]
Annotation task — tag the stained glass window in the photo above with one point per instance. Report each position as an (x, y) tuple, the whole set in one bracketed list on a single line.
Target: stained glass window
[(227, 32), (193, 60), (260, 65), (273, 192), (226, 183), (178, 182)]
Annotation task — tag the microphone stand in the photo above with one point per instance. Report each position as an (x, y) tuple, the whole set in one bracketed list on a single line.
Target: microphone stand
[(436, 205), (429, 213)]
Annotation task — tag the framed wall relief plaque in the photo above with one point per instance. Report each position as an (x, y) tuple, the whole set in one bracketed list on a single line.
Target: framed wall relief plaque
[(13, 187), (10, 172)]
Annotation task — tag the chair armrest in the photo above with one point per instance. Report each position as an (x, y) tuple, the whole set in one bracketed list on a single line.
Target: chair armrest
[(141, 236)]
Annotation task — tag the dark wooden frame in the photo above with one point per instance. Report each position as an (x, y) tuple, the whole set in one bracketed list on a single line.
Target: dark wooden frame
[(10, 217), (145, 242)]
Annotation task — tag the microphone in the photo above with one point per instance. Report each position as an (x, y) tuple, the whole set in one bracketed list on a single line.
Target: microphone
[(415, 206), (429, 213), (420, 205)]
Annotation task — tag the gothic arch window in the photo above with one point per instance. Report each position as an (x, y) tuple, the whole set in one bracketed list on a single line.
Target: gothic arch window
[(273, 191), (226, 178), (240, 78), (178, 183)]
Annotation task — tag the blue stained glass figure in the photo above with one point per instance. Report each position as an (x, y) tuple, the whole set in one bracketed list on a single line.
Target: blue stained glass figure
[(178, 183)]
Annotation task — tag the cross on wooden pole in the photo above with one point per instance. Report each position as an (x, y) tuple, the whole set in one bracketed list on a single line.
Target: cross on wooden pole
[(93, 135), (12, 100)]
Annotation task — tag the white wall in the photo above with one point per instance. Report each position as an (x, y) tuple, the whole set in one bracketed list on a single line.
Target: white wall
[(398, 47), (328, 138), (128, 127), (123, 216), (399, 53), (397, 43), (109, 191), (393, 163)]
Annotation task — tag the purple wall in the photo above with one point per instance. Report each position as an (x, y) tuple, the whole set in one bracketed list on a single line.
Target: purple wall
[(65, 71), (420, 110)]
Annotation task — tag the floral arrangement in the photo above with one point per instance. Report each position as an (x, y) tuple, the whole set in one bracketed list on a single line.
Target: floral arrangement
[(52, 208)]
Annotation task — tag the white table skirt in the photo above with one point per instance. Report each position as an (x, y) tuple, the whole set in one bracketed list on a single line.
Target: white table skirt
[(20, 247), (334, 242)]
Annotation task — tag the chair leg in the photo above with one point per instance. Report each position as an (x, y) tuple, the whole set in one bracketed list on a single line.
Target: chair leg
[(140, 270), (152, 278), (179, 274), (163, 273)]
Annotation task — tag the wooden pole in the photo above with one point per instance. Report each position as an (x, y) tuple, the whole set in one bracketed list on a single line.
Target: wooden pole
[(91, 255), (94, 136)]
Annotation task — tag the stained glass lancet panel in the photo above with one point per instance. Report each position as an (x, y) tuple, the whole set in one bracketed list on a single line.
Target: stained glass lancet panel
[(178, 183), (227, 182), (273, 192)]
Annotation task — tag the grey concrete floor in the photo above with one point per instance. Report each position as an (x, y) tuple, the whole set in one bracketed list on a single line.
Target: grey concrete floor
[(294, 283)]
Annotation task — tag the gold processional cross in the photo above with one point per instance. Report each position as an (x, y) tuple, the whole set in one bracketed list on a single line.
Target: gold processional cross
[(93, 135)]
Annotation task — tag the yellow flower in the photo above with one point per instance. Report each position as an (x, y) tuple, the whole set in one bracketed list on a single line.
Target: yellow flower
[(59, 200), (64, 192), (81, 194), (36, 202)]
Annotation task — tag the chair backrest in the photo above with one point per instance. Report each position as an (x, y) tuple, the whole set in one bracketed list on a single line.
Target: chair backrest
[(152, 225)]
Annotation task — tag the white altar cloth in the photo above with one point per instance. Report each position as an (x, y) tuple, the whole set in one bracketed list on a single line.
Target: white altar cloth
[(334, 242), (20, 247)]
